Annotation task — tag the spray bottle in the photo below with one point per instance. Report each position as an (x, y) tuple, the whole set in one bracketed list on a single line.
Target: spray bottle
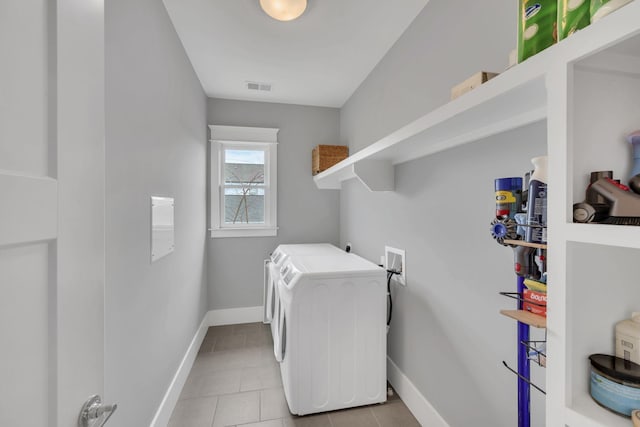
[(537, 203)]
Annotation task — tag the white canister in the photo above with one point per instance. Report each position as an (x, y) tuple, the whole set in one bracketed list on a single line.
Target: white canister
[(628, 338)]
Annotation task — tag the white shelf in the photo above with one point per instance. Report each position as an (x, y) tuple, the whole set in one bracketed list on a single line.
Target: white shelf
[(585, 412), (513, 99), (600, 234)]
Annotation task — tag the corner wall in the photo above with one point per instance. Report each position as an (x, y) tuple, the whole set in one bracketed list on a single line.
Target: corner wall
[(446, 334), (305, 214), (155, 146)]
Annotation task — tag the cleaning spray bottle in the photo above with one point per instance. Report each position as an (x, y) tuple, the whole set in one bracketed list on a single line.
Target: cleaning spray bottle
[(537, 202)]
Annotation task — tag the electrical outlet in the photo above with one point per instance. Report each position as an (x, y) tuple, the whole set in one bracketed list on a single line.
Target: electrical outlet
[(395, 260)]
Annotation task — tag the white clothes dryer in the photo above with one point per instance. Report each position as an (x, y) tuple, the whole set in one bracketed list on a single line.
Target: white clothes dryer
[(272, 276), (332, 333), (275, 262)]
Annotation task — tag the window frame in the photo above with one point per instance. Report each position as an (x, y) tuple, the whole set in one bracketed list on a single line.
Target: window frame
[(239, 137)]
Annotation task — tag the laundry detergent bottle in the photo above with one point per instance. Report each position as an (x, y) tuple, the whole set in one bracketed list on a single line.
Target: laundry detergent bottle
[(537, 202)]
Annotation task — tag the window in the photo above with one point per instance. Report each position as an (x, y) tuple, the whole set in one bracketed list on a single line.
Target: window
[(243, 181)]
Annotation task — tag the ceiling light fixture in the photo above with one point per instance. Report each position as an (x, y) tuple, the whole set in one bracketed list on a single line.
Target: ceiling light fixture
[(284, 10)]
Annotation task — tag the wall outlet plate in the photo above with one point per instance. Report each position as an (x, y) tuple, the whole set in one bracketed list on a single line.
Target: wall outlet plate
[(395, 259)]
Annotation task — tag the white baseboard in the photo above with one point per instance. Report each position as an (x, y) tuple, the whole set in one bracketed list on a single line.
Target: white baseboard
[(170, 399), (419, 406), (212, 318), (234, 316)]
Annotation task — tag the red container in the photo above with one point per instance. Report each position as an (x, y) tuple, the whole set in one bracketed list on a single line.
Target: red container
[(535, 302)]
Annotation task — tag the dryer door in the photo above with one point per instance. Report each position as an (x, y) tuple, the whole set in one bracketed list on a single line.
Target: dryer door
[(268, 293), (271, 294), (275, 302), (278, 326)]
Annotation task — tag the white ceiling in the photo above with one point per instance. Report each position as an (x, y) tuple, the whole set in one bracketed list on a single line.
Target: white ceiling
[(319, 59)]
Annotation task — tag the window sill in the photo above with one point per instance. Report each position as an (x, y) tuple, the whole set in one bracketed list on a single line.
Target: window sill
[(218, 233)]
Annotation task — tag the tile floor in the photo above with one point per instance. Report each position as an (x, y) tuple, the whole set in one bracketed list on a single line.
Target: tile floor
[(235, 381)]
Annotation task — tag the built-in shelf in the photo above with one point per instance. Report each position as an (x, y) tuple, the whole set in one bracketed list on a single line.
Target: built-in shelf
[(526, 317), (585, 412), (601, 234), (593, 104)]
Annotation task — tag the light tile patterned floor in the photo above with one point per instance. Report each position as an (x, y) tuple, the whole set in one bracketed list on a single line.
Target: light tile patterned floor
[(235, 381)]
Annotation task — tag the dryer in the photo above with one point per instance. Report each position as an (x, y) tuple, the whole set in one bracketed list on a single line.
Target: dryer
[(272, 275), (331, 338), (277, 259)]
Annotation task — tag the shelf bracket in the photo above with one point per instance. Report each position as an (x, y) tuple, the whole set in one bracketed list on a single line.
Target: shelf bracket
[(376, 175)]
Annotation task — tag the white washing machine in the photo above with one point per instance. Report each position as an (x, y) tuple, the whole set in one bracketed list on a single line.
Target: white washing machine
[(331, 337), (272, 275)]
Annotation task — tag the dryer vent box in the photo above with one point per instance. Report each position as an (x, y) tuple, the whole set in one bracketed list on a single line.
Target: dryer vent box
[(395, 260)]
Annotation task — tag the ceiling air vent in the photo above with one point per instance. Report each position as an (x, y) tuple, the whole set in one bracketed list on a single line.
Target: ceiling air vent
[(264, 87)]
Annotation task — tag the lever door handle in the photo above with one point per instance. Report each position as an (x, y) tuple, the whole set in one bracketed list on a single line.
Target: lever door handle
[(94, 413)]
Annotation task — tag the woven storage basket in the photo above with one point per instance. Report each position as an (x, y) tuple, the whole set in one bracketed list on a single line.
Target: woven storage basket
[(325, 156)]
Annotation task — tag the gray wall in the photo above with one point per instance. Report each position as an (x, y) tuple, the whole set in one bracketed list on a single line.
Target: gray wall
[(446, 335), (305, 214), (156, 145), (447, 42)]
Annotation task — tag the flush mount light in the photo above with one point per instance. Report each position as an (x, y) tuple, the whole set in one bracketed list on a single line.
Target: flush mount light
[(284, 10)]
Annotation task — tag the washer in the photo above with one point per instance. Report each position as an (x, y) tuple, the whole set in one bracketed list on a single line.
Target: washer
[(331, 335)]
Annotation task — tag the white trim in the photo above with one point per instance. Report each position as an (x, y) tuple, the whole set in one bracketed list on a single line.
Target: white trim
[(243, 232), (240, 144), (265, 139), (170, 399), (211, 318), (243, 133), (265, 291), (419, 406), (234, 316)]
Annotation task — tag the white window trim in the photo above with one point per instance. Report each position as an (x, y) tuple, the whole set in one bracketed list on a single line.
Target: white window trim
[(238, 136)]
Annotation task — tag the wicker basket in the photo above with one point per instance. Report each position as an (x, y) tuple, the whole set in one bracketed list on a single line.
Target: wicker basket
[(325, 156)]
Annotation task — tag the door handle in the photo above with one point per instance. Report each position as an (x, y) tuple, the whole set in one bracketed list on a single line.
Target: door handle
[(94, 413)]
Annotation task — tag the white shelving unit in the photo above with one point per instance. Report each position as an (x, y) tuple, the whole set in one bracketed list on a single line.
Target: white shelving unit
[(594, 102), (588, 89)]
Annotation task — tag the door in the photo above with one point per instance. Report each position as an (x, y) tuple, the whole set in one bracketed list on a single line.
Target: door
[(51, 209)]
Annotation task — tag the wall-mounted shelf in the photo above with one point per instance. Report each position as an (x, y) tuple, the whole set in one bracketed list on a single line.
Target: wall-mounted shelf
[(513, 99), (524, 316), (525, 243)]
